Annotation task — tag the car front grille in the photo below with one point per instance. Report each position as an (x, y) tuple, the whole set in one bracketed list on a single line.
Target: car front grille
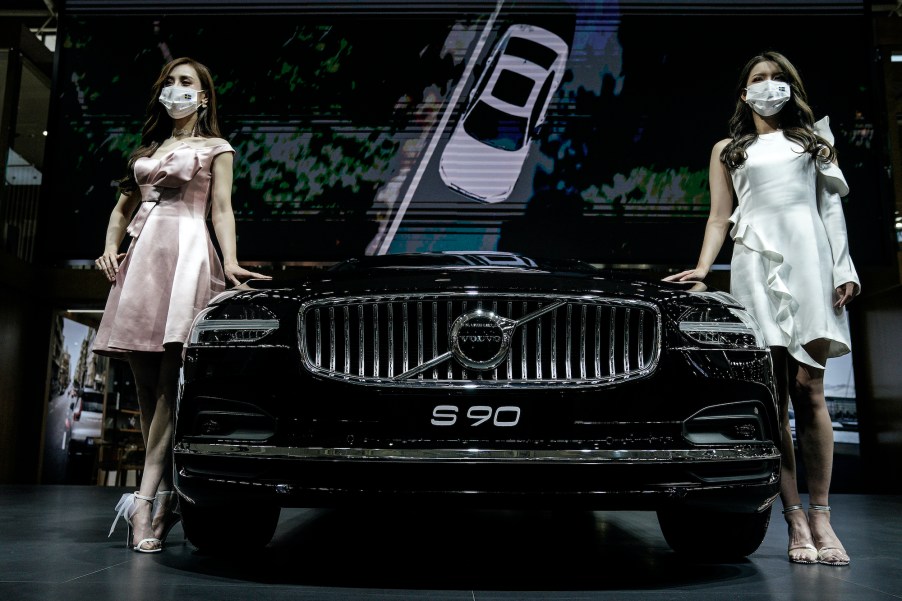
[(406, 340)]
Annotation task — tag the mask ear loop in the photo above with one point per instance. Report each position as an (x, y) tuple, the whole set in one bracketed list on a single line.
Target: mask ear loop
[(201, 111)]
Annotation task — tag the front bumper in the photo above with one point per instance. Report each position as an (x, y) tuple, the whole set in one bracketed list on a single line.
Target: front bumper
[(742, 478)]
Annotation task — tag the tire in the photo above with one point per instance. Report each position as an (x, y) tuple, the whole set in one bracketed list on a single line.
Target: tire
[(713, 535), (222, 529)]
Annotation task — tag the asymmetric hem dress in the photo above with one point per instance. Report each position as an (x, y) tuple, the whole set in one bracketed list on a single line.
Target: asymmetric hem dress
[(791, 248), (171, 269)]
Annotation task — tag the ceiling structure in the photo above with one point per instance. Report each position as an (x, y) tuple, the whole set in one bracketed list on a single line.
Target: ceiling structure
[(34, 14)]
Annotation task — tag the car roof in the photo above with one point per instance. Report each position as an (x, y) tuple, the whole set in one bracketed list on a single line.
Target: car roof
[(513, 70)]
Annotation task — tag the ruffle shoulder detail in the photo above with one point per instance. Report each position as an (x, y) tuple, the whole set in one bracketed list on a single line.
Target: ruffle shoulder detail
[(829, 175)]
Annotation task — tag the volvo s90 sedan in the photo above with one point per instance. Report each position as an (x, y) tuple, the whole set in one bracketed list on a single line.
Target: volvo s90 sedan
[(479, 379)]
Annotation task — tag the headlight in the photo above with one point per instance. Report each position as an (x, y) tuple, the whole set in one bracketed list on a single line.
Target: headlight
[(722, 326), (230, 325)]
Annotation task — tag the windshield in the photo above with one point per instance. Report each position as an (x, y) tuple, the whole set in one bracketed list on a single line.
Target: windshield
[(496, 128), (92, 401)]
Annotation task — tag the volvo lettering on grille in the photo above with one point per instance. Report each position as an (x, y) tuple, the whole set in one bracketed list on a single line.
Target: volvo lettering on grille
[(481, 339)]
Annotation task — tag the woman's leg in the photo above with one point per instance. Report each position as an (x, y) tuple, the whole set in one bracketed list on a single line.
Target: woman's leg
[(799, 532), (815, 432), (162, 370)]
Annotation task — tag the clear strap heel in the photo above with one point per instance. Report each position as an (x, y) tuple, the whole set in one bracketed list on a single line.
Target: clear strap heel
[(830, 555), (126, 508), (806, 553), (173, 514)]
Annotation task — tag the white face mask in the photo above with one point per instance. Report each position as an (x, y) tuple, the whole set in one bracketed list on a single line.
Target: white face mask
[(767, 97), (178, 101)]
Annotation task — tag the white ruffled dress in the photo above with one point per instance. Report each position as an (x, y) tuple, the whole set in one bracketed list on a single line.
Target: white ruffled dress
[(791, 248)]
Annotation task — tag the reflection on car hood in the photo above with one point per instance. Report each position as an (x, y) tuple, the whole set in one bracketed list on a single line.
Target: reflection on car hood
[(468, 272)]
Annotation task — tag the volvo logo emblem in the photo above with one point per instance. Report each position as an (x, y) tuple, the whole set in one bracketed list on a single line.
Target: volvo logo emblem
[(480, 339)]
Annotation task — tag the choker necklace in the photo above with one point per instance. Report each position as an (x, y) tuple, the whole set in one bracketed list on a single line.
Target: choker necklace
[(178, 133)]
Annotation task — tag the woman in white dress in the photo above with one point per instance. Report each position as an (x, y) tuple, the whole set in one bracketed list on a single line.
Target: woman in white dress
[(790, 267)]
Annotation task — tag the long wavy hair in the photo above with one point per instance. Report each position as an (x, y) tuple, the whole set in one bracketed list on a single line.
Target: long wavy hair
[(158, 124), (796, 118)]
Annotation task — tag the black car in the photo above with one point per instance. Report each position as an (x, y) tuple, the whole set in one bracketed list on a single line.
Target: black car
[(482, 380)]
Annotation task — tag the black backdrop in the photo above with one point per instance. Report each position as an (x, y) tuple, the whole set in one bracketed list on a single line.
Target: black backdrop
[(340, 112)]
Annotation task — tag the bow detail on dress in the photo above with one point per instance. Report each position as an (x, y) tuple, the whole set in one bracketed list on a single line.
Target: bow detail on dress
[(159, 179)]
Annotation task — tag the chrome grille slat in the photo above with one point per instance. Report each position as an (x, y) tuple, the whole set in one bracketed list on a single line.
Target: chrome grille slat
[(419, 337), (626, 340), (391, 340), (375, 340), (591, 341), (319, 342), (553, 341), (640, 350), (582, 342), (434, 337), (539, 348), (405, 351), (331, 338), (510, 355), (347, 331), (523, 346), (450, 307), (569, 338), (361, 361), (495, 311), (597, 342)]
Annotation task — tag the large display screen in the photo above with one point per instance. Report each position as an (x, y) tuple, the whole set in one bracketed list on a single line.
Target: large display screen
[(372, 128)]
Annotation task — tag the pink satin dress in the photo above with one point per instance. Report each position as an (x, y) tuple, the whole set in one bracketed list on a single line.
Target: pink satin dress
[(171, 269)]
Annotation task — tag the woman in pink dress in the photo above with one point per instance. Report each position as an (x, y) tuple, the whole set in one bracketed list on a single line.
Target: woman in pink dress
[(180, 174)]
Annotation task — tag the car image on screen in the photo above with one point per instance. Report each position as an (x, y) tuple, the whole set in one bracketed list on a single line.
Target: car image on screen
[(482, 379), (485, 154)]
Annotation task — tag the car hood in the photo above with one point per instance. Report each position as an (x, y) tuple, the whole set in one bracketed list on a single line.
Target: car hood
[(417, 274), (478, 170)]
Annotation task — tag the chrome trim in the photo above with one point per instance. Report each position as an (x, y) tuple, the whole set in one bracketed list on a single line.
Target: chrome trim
[(434, 336), (391, 340), (549, 371), (641, 349), (405, 338), (506, 326), (347, 331), (331, 338), (450, 306), (523, 348), (597, 342), (319, 342), (553, 339), (375, 341), (762, 452), (360, 340), (425, 366), (539, 350), (419, 336), (626, 339)]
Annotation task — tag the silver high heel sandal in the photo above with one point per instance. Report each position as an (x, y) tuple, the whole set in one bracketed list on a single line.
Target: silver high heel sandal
[(809, 553), (126, 508), (173, 517), (830, 556)]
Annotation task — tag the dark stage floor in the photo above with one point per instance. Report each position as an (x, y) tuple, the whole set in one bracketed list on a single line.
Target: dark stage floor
[(53, 546)]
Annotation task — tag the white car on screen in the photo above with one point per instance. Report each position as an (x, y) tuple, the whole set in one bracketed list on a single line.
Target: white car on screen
[(485, 155)]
